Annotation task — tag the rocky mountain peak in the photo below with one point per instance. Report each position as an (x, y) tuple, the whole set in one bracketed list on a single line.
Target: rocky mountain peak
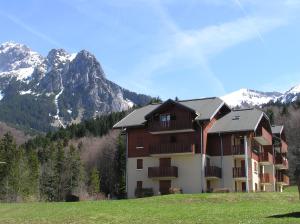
[(57, 90)]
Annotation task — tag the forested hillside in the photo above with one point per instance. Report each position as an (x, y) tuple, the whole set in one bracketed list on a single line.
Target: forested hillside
[(86, 160), (289, 116)]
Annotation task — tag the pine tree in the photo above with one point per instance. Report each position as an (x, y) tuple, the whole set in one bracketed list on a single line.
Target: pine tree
[(10, 172), (121, 166), (94, 182), (59, 171), (73, 171)]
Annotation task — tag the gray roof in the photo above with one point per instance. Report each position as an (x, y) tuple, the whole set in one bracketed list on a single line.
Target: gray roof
[(238, 120), (205, 109), (277, 129), (136, 117)]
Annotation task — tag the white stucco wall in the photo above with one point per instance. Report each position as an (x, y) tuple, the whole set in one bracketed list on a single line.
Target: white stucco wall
[(189, 173)]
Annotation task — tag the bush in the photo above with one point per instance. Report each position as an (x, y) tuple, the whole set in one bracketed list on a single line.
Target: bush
[(175, 190), (143, 192)]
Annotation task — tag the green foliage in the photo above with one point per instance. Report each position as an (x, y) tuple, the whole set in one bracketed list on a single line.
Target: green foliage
[(94, 182), (270, 114), (48, 168), (155, 100), (121, 166)]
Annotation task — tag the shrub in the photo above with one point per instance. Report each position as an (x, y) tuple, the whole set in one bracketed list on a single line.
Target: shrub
[(175, 190), (143, 192)]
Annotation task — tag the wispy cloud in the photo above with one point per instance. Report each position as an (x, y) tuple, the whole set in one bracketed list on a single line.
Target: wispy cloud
[(30, 29), (198, 46)]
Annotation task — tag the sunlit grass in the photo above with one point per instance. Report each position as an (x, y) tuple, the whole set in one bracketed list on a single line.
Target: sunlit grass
[(198, 208)]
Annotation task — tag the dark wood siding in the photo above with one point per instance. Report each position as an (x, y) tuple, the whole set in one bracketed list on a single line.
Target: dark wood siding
[(139, 140)]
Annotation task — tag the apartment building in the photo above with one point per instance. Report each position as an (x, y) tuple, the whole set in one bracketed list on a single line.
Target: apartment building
[(202, 145)]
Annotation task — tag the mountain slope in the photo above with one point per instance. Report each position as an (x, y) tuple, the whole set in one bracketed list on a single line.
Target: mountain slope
[(43, 92), (248, 98)]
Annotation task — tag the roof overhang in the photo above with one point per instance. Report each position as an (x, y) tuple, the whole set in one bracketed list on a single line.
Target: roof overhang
[(169, 101)]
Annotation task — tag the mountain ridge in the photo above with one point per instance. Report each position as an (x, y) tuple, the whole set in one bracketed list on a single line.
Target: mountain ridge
[(244, 98), (69, 87)]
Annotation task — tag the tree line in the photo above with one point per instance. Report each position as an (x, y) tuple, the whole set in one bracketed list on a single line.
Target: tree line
[(49, 167)]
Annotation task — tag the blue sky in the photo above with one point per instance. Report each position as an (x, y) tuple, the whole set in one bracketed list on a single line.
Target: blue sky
[(168, 48)]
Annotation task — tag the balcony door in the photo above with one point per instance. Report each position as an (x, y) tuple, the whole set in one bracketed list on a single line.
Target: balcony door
[(164, 186), (164, 162)]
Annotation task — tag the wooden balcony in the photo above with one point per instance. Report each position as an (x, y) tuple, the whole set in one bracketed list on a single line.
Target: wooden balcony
[(282, 179), (263, 137), (266, 158), (266, 178), (172, 126), (163, 172), (172, 148), (281, 163), (239, 172), (238, 150), (213, 172)]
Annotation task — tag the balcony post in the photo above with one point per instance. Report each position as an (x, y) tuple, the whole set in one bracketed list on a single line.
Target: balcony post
[(273, 166), (246, 162)]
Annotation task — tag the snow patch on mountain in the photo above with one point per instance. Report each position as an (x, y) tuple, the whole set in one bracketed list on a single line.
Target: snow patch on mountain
[(17, 60), (248, 98), (56, 104)]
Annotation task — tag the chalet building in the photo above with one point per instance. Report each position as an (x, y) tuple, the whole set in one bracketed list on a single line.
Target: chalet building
[(202, 145)]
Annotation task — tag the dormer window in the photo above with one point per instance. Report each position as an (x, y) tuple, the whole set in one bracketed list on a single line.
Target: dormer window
[(165, 120)]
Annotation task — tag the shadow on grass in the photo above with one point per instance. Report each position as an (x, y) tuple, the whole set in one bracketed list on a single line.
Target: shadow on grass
[(287, 215)]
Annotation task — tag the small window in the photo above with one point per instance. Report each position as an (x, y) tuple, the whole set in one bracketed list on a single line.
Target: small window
[(165, 120), (139, 164), (139, 184)]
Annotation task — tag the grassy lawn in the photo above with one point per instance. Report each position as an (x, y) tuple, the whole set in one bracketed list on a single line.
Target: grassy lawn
[(200, 208)]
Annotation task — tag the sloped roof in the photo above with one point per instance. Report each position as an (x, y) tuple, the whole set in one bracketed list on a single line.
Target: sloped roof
[(277, 129), (136, 117), (205, 109), (238, 120)]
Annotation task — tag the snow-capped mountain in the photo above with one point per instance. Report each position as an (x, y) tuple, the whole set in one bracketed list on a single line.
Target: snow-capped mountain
[(248, 98), (57, 89)]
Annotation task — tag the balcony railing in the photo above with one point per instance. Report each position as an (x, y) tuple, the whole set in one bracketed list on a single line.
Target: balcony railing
[(266, 157), (238, 172), (263, 137), (156, 172), (282, 178), (282, 162), (266, 178), (156, 126), (172, 148), (213, 171), (238, 150)]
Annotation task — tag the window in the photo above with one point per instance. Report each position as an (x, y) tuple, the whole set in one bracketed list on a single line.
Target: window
[(139, 164), (139, 184), (255, 167), (165, 120)]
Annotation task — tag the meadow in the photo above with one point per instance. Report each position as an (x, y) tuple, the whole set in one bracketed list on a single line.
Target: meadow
[(177, 208)]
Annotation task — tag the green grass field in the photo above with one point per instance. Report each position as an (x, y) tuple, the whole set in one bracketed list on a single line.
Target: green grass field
[(201, 208)]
